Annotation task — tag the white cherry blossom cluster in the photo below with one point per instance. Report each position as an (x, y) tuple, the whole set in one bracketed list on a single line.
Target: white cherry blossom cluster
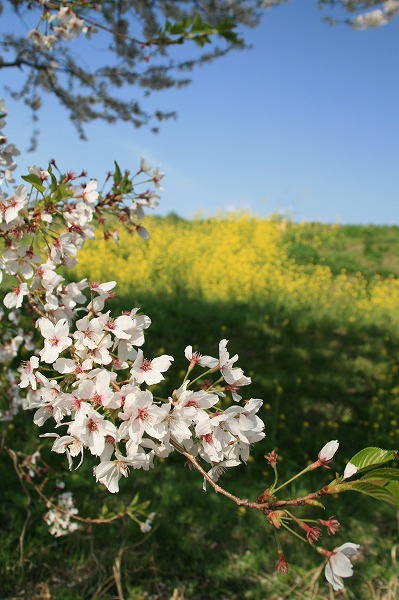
[(99, 398), (62, 25), (376, 17), (41, 230), (58, 518), (7, 153)]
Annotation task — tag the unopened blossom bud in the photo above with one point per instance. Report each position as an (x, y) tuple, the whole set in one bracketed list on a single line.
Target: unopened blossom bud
[(281, 566), (326, 454), (350, 470), (332, 525)]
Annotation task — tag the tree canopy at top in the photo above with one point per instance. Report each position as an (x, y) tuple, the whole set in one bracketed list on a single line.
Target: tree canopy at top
[(138, 46)]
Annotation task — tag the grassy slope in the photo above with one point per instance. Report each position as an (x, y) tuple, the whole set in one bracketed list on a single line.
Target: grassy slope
[(367, 249), (320, 381)]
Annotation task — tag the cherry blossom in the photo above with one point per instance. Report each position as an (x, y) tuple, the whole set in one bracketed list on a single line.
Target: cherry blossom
[(150, 371), (109, 472), (339, 565), (92, 428), (27, 373), (229, 373), (15, 298), (196, 358), (16, 203), (141, 415), (55, 338), (60, 522)]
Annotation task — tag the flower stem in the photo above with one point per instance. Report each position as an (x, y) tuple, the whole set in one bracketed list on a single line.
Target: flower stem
[(292, 479)]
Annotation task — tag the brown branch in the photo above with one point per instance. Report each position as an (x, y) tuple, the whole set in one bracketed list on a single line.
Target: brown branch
[(87, 520), (218, 489), (33, 304), (302, 501), (265, 507), (142, 43)]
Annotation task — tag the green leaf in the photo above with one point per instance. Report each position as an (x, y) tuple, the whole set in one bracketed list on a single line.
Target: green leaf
[(117, 174), (385, 494), (230, 36), (393, 488), (386, 474), (177, 29), (143, 505), (126, 186), (370, 457), (35, 181), (199, 26), (134, 500), (54, 184)]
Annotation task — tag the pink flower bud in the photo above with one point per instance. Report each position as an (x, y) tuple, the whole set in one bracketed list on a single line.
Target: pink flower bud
[(326, 454)]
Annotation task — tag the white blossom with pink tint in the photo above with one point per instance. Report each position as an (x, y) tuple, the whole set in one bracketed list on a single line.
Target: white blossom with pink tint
[(141, 415), (195, 358), (15, 204), (27, 373), (14, 299), (229, 373), (150, 371), (56, 338), (92, 428), (328, 451), (339, 565), (109, 472)]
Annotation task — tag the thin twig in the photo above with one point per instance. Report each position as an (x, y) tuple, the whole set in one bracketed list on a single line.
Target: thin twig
[(116, 570), (218, 489), (50, 504), (14, 459)]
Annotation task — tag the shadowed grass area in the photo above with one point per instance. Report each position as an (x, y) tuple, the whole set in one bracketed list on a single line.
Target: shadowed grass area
[(319, 382)]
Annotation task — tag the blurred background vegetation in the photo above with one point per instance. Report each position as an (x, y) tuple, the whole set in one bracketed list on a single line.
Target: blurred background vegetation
[(313, 312)]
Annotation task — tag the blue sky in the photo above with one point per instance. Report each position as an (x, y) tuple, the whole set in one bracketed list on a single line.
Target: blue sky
[(305, 123)]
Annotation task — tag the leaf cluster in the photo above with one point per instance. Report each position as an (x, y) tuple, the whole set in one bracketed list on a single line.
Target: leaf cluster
[(379, 482)]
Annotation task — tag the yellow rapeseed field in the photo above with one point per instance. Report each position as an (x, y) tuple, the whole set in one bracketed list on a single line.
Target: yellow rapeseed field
[(238, 258)]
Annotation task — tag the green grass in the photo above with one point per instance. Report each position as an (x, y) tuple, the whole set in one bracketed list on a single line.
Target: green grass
[(319, 380), (368, 249)]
